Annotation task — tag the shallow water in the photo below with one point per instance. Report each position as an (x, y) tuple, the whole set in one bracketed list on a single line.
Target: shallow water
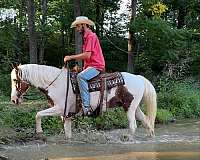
[(177, 141)]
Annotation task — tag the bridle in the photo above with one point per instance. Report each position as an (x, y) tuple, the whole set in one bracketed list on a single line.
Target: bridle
[(21, 85)]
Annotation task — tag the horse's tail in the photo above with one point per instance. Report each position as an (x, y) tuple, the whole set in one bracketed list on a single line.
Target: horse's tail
[(150, 101)]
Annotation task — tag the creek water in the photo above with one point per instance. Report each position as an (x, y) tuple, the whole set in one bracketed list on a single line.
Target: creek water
[(174, 141)]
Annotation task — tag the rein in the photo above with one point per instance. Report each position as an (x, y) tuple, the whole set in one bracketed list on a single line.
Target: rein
[(66, 65), (53, 80)]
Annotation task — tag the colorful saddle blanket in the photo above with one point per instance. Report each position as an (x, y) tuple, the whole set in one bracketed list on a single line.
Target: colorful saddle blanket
[(112, 80)]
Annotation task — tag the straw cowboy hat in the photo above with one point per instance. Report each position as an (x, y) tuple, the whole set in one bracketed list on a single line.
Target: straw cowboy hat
[(82, 20)]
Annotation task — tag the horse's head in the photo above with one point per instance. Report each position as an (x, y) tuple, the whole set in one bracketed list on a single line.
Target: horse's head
[(19, 86)]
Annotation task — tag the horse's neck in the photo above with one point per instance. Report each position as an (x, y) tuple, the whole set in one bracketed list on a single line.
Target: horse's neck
[(40, 75)]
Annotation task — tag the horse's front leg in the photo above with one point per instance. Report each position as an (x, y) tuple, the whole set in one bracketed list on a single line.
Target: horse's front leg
[(54, 111), (67, 128)]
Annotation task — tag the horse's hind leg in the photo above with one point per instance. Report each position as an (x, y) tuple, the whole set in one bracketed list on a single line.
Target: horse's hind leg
[(141, 117)]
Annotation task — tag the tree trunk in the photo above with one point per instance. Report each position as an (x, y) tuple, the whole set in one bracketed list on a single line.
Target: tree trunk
[(102, 23), (62, 48), (78, 37), (131, 38), (98, 13), (19, 33), (32, 31), (181, 17), (17, 40), (43, 33)]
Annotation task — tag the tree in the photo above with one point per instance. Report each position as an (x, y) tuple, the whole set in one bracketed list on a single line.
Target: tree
[(98, 14), (131, 38), (32, 32), (78, 38), (43, 30)]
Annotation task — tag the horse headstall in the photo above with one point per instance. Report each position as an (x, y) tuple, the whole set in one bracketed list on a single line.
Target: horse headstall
[(21, 85)]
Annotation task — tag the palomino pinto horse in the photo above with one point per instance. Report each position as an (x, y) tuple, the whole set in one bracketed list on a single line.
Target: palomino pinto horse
[(53, 81)]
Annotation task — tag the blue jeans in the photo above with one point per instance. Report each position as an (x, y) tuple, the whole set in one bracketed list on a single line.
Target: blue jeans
[(82, 79)]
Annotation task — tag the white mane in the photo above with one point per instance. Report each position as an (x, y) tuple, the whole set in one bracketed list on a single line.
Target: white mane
[(40, 75)]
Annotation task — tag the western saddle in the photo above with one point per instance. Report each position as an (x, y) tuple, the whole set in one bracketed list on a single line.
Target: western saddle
[(102, 82)]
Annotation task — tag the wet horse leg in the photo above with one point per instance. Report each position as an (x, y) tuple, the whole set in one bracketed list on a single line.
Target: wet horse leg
[(142, 117), (131, 116), (67, 128), (54, 111), (134, 111)]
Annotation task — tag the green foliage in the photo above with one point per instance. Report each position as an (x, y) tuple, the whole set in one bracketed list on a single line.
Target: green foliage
[(163, 116), (159, 45), (164, 48), (22, 118), (52, 125), (115, 59), (5, 83), (113, 118), (181, 99), (17, 118), (194, 43)]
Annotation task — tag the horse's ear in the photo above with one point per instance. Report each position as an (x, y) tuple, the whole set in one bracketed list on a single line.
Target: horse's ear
[(10, 65), (15, 65)]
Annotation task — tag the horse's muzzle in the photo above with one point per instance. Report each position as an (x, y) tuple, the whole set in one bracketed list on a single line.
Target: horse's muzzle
[(16, 101)]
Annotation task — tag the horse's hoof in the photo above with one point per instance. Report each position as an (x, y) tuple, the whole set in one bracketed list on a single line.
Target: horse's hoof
[(68, 139), (151, 135)]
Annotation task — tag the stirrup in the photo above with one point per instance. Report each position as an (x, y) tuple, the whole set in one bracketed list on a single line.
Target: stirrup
[(88, 111), (80, 113)]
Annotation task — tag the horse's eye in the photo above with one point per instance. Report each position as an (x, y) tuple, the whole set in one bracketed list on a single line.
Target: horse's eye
[(15, 80)]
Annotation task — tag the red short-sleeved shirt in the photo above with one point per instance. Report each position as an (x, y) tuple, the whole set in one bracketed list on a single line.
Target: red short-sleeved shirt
[(91, 44)]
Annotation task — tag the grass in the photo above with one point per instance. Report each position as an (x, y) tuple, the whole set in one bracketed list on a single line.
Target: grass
[(164, 116)]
